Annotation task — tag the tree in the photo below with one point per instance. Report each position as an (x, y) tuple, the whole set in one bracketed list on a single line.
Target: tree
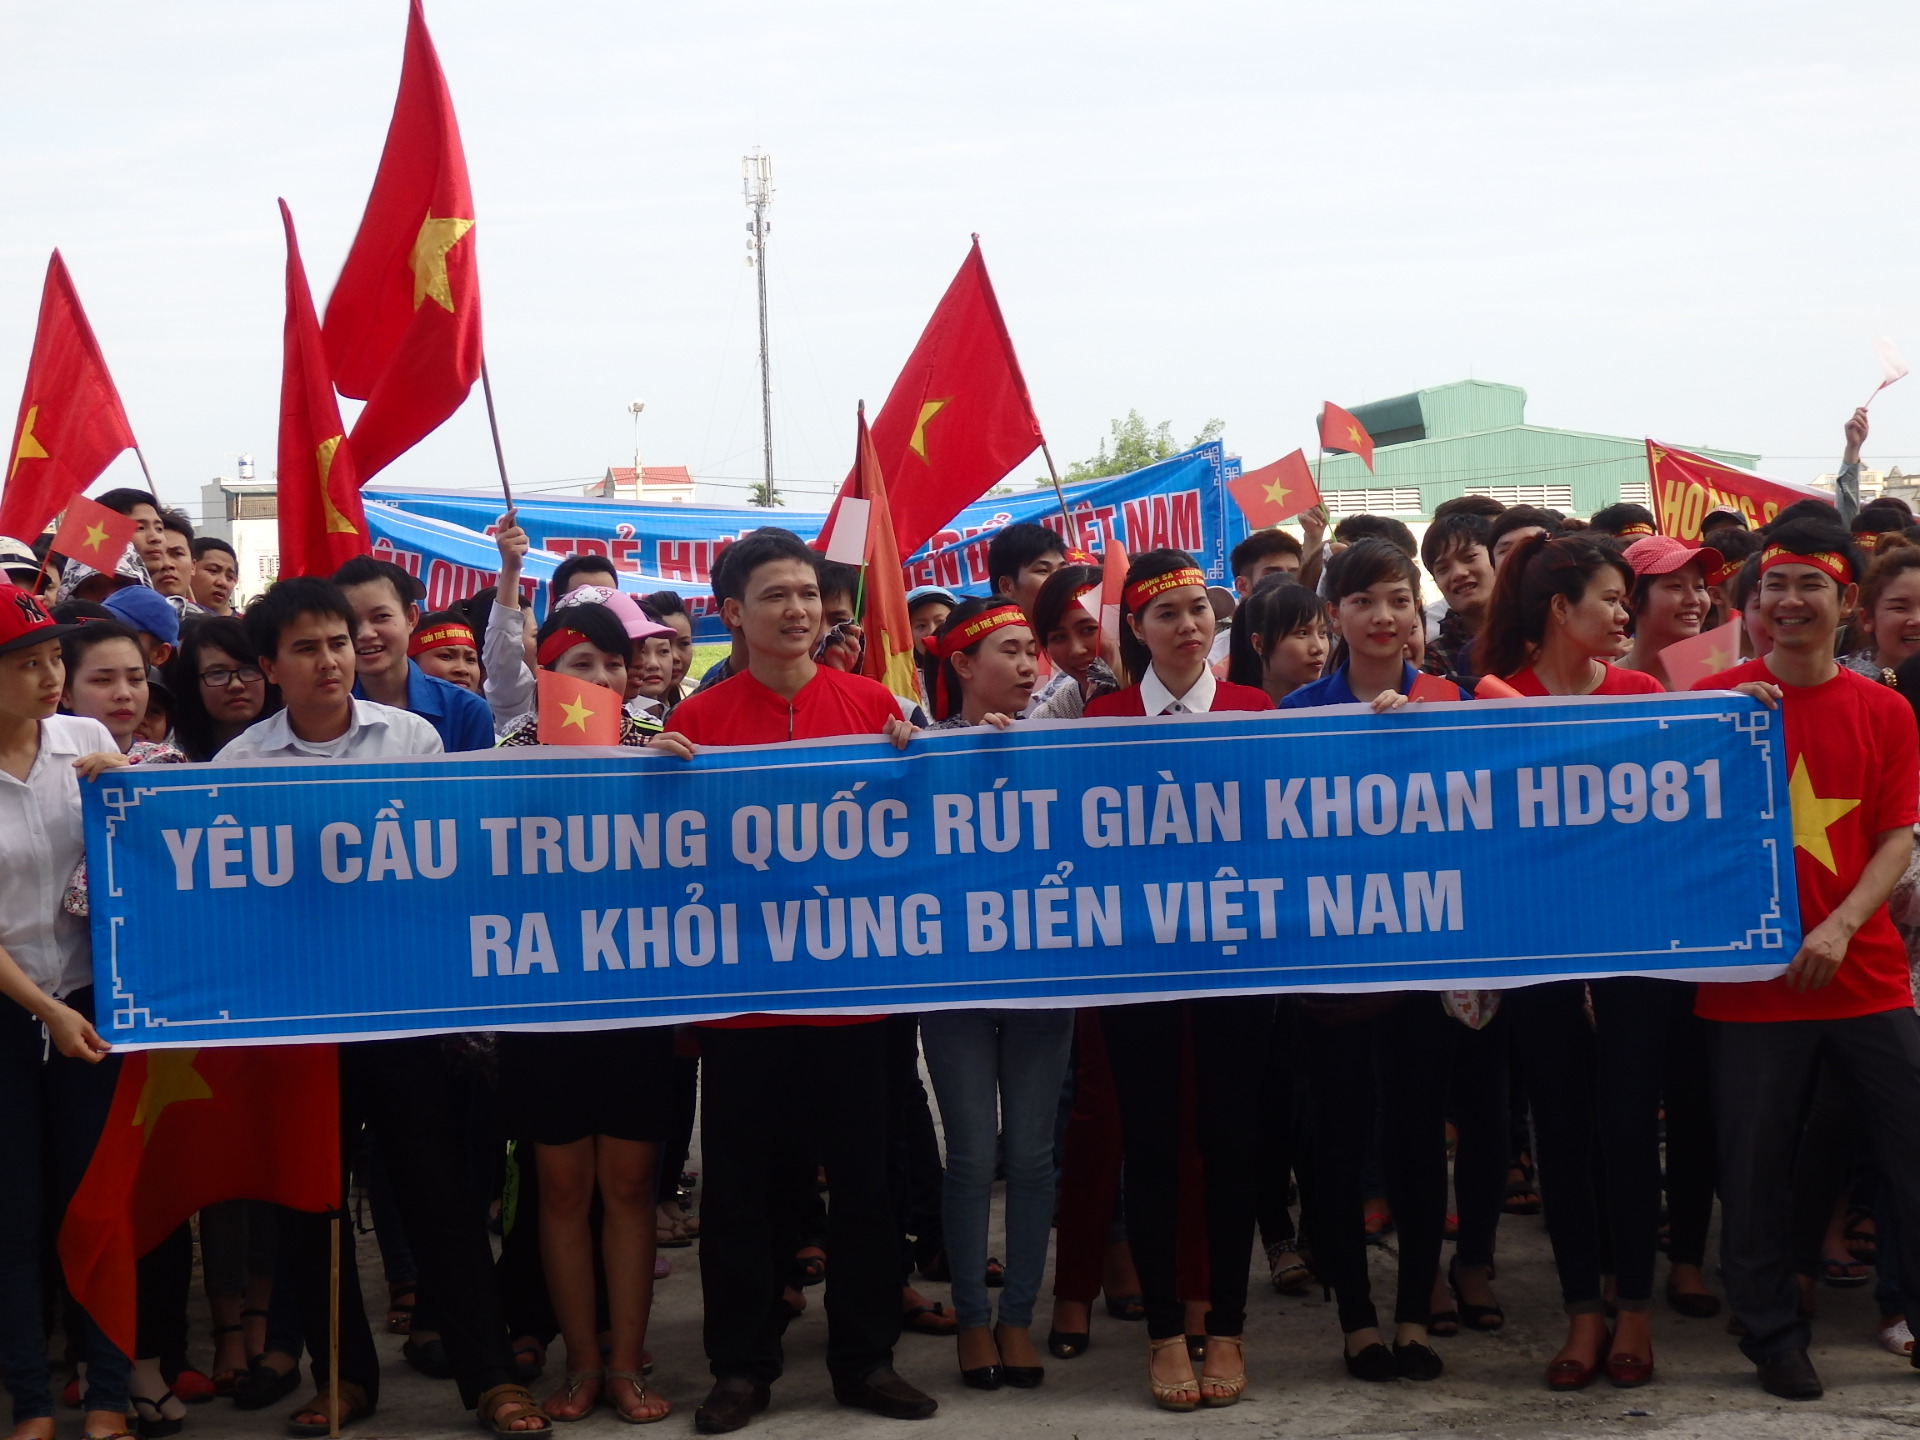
[(761, 492), (1135, 445)]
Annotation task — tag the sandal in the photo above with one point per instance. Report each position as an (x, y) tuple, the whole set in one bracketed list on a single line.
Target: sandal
[(1229, 1387), (1523, 1196), (1835, 1273), (929, 1320), (151, 1421), (498, 1408), (400, 1312), (642, 1397), (675, 1214), (429, 1357), (1862, 1235), (224, 1381), (1378, 1221), (1485, 1318), (263, 1385), (1181, 1394), (809, 1265), (996, 1273), (669, 1233), (1896, 1337), (529, 1359), (1289, 1278), (1127, 1307), (358, 1408), (569, 1395)]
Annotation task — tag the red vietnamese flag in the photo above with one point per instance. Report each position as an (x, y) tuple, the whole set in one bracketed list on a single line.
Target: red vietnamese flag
[(322, 525), (1432, 687), (187, 1129), (1686, 486), (1340, 431), (958, 418), (575, 712), (94, 535), (403, 323), (1275, 492), (71, 421), (1113, 580), (1708, 653), (889, 629)]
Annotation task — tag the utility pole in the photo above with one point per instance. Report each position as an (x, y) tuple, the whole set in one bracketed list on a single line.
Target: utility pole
[(756, 183)]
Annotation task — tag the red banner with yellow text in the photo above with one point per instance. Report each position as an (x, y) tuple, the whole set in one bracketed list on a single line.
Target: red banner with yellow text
[(1686, 487)]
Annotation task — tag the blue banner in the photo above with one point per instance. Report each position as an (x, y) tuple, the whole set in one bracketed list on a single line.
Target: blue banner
[(1178, 503), (1446, 846), (453, 562)]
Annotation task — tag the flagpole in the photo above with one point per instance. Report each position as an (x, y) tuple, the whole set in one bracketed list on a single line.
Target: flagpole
[(140, 455), (1065, 514), (333, 1330), (860, 590), (493, 424)]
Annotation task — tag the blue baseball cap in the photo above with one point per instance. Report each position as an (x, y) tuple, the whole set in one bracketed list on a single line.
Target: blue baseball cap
[(148, 610), (920, 594)]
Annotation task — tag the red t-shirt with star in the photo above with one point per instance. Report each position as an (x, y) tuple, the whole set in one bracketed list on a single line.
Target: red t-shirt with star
[(1853, 768), (742, 711)]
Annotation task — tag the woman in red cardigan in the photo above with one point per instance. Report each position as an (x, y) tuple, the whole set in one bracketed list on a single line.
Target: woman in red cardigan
[(1166, 633)]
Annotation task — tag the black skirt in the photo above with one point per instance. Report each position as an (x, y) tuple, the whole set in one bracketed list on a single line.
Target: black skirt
[(557, 1088)]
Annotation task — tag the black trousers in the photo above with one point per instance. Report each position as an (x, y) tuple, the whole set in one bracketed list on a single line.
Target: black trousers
[(915, 1172), (763, 1086), (1596, 1083), (1229, 1038), (1764, 1077), (1281, 1155), (413, 1097), (1479, 1106), (1692, 1161)]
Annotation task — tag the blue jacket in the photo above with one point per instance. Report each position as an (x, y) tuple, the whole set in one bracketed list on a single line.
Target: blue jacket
[(461, 717), (1335, 690)]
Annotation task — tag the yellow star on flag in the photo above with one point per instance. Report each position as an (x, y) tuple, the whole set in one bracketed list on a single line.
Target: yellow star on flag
[(577, 711), (29, 448), (170, 1078), (337, 524), (928, 409), (1353, 431), (1812, 816), (96, 537), (1277, 493), (429, 259)]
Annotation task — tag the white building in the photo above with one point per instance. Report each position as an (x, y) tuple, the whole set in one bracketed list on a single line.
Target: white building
[(650, 485), (244, 513)]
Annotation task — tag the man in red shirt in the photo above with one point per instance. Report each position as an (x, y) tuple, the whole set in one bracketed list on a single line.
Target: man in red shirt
[(1853, 767), (769, 1078)]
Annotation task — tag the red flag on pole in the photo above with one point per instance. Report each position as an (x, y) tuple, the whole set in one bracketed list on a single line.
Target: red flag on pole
[(187, 1129), (888, 657), (403, 323), (1275, 492), (958, 418), (94, 535), (322, 525), (71, 423), (576, 712), (1340, 431)]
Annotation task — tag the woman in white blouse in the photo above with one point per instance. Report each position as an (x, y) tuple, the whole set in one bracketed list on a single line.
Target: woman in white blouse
[(57, 1090)]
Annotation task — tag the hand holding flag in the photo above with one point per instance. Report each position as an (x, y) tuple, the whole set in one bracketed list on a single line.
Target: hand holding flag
[(1275, 492)]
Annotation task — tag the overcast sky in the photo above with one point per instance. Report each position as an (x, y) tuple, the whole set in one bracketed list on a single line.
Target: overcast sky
[(1680, 219)]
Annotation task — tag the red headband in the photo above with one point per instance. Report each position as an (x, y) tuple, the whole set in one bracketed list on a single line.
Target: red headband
[(1721, 574), (447, 634), (967, 633), (1638, 527), (558, 643), (1141, 592), (1824, 561)]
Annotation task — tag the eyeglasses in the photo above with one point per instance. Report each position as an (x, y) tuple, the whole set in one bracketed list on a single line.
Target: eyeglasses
[(221, 679)]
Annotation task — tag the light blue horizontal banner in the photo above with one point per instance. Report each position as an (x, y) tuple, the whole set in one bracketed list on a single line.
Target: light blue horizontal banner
[(1447, 846)]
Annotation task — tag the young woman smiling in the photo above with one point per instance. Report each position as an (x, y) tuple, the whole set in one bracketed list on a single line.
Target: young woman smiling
[(1071, 634), (1167, 631), (1671, 598), (1558, 617), (1888, 621)]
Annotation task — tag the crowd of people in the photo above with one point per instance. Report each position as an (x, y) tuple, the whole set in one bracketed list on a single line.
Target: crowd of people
[(521, 1187)]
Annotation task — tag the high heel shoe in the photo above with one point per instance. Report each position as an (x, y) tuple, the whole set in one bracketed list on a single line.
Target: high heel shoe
[(151, 1420), (1375, 1363), (1180, 1395), (985, 1377), (1020, 1377), (1068, 1344), (1417, 1362), (1231, 1386), (1126, 1307), (1475, 1317)]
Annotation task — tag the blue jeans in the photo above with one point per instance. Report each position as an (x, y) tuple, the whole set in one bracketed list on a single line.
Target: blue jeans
[(54, 1111), (997, 1071)]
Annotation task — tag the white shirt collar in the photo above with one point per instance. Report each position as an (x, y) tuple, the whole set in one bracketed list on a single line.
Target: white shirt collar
[(274, 735), (1156, 699)]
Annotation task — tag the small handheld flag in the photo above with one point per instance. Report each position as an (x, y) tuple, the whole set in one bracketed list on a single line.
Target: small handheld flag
[(1708, 653), (573, 712), (1340, 431), (1492, 687), (1275, 492), (94, 535), (1892, 366), (1432, 687)]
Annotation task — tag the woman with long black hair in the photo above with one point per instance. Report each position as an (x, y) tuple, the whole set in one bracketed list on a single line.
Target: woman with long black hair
[(1593, 1052), (1167, 631)]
